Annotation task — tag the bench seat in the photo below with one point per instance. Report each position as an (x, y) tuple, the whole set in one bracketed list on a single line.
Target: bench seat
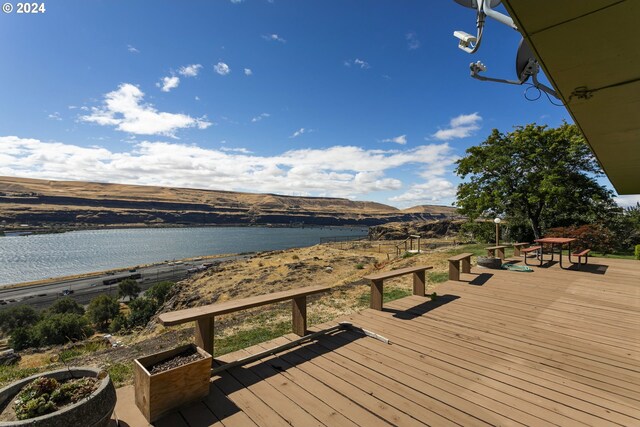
[(204, 316), (491, 251), (517, 248), (536, 249), (377, 282), (459, 263), (580, 255)]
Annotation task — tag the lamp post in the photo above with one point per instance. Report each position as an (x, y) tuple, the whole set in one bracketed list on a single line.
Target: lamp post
[(497, 221)]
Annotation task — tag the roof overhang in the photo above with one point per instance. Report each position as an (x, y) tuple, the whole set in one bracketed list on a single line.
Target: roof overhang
[(590, 52)]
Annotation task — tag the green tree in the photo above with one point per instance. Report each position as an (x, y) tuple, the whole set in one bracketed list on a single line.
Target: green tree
[(21, 338), (128, 288), (101, 310), (142, 310), (17, 317), (65, 305), (160, 291), (60, 328), (544, 176)]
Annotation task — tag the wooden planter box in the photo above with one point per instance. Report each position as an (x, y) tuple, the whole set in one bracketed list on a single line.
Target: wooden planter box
[(161, 393)]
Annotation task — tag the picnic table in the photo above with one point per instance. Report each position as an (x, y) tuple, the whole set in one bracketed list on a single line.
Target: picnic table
[(560, 242)]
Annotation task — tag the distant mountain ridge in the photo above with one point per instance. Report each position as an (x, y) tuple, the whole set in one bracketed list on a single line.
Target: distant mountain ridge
[(75, 204)]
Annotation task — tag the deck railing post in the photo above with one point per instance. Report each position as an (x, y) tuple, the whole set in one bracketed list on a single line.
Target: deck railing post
[(419, 283), (204, 334), (376, 294), (299, 316)]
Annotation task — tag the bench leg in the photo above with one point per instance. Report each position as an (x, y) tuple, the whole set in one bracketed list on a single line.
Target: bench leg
[(204, 334), (454, 270), (491, 253), (501, 254), (516, 251), (376, 294), (299, 317), (419, 283), (466, 265)]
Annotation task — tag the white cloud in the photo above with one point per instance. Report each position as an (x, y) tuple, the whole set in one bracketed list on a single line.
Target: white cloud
[(222, 68), (432, 191), (236, 150), (412, 41), (237, 1), (190, 70), (629, 200), (357, 62), (132, 49), (260, 117), (401, 139), (125, 109), (299, 132), (54, 116), (274, 37), (168, 83), (248, 72), (340, 171), (461, 126)]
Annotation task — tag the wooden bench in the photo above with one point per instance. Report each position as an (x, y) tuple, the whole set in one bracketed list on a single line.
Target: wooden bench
[(491, 251), (377, 280), (581, 254), (536, 249), (517, 247), (458, 263), (204, 316)]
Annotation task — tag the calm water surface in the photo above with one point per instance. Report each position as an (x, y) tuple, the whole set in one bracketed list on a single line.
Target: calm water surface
[(26, 258)]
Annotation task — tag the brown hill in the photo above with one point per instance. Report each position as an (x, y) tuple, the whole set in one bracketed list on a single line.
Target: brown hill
[(73, 203)]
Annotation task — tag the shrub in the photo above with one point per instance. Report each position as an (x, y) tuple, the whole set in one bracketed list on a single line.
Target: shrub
[(21, 338), (119, 323), (102, 309), (359, 266), (17, 317), (61, 328), (65, 305), (160, 292), (142, 310), (590, 236), (128, 288), (637, 251), (478, 231)]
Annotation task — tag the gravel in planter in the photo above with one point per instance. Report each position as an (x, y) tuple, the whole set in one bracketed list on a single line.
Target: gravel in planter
[(187, 356)]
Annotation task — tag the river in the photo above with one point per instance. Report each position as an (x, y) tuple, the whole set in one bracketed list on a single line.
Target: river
[(41, 256)]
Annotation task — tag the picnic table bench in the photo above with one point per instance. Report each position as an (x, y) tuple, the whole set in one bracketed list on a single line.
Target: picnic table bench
[(203, 316), (491, 251), (457, 263), (517, 248), (377, 280), (585, 254), (536, 249)]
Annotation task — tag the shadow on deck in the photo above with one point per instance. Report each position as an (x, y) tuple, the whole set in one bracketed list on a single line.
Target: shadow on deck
[(552, 347)]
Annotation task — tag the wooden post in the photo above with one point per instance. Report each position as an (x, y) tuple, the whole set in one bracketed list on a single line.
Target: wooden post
[(204, 334), (376, 294), (419, 283), (454, 270), (497, 233), (299, 316), (466, 265)]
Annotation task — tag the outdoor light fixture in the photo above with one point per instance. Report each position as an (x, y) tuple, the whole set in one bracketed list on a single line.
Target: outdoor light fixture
[(526, 62), (497, 221)]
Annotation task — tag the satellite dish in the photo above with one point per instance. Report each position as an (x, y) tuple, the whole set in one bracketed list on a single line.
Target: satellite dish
[(473, 4), (523, 60)]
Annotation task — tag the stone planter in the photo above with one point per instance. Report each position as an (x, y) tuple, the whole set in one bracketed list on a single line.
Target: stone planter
[(489, 262), (94, 411), (160, 393)]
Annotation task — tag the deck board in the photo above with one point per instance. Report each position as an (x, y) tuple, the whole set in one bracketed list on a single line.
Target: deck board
[(549, 348)]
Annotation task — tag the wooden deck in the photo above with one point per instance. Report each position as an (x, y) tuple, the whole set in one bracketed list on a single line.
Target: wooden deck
[(548, 348)]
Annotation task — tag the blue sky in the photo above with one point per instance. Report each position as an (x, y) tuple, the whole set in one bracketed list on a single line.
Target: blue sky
[(370, 100)]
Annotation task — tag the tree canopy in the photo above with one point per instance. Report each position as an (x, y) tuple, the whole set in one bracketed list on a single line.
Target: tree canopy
[(128, 288), (102, 309), (537, 177)]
